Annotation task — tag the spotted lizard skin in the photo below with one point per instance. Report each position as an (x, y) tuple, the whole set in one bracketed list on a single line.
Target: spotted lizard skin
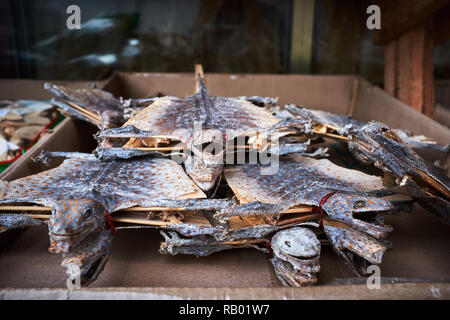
[(104, 104), (345, 125), (298, 180), (358, 250), (13, 221), (176, 117), (82, 189), (302, 180), (384, 148), (181, 119)]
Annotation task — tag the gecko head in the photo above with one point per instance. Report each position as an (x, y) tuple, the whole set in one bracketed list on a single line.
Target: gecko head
[(87, 260), (208, 145), (363, 213), (298, 242), (72, 221), (206, 163), (296, 254)]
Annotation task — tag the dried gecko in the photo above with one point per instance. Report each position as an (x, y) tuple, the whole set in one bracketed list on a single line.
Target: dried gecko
[(392, 151), (343, 194), (96, 106), (204, 124), (83, 191)]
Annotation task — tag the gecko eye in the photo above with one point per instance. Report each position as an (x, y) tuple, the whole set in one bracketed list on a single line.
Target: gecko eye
[(359, 204), (88, 213)]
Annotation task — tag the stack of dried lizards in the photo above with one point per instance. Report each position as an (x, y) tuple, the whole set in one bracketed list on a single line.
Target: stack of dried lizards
[(218, 173)]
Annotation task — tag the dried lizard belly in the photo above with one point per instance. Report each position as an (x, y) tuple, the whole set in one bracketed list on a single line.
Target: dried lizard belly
[(81, 191), (100, 107), (74, 177), (184, 119), (177, 117), (143, 181), (113, 182), (299, 180), (94, 99)]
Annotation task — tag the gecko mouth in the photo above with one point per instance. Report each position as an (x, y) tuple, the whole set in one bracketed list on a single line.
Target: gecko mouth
[(91, 274), (91, 271), (368, 216), (303, 257), (66, 236), (358, 263), (371, 218)]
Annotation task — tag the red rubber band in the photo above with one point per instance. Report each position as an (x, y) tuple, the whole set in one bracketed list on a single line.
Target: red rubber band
[(320, 210), (110, 223)]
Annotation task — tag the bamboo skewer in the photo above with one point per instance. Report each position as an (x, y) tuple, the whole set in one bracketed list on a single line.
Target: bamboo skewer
[(134, 220), (143, 220), (298, 219), (198, 72), (89, 114), (40, 216), (299, 209), (180, 148), (239, 147), (48, 209), (40, 213)]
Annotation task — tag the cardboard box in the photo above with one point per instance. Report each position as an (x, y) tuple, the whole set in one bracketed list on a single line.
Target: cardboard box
[(12, 89), (417, 267)]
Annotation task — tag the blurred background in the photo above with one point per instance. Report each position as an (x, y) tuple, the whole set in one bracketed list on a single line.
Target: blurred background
[(232, 36)]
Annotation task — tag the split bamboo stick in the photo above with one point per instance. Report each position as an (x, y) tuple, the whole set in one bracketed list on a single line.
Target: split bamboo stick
[(299, 209)]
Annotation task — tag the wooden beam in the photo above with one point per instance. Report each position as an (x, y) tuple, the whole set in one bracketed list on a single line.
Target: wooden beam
[(408, 71), (390, 68), (428, 68), (302, 36), (400, 16), (403, 72)]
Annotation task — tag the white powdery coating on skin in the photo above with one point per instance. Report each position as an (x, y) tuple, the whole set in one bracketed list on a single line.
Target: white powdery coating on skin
[(296, 242)]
